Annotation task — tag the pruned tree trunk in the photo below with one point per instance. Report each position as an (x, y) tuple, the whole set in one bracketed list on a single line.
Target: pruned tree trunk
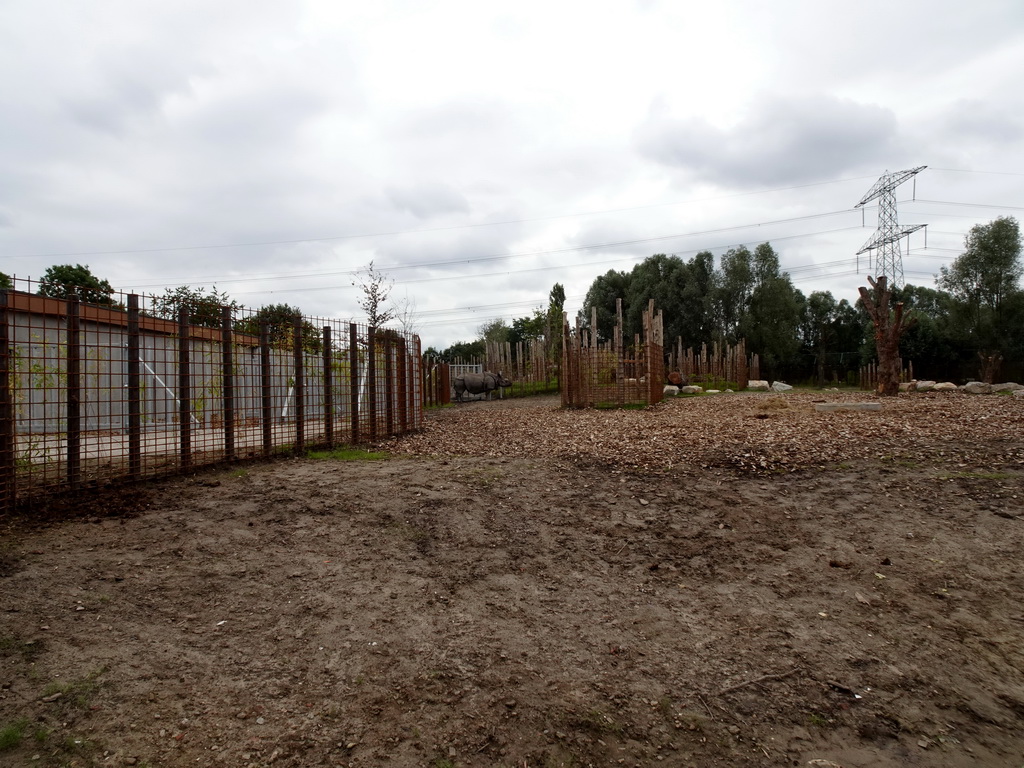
[(990, 362), (889, 328)]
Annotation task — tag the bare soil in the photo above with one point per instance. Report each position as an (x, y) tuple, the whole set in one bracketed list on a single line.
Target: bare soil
[(714, 581)]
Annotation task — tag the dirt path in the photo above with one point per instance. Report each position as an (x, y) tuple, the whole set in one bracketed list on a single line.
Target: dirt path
[(553, 609)]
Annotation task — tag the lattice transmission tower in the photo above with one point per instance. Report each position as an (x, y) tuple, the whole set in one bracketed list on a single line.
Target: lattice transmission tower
[(885, 243)]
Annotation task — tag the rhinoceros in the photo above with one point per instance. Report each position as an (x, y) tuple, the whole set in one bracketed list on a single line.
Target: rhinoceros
[(478, 383)]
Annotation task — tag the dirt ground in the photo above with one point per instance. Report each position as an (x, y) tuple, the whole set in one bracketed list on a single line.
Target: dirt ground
[(497, 593)]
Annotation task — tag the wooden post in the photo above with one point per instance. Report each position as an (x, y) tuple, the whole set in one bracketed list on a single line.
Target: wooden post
[(8, 465), (403, 387), (228, 378), (390, 390), (74, 393), (134, 390), (328, 389), (300, 385), (184, 389), (353, 372), (371, 375), (266, 390)]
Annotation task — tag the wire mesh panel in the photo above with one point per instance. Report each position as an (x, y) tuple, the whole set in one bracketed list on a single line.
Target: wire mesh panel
[(97, 393)]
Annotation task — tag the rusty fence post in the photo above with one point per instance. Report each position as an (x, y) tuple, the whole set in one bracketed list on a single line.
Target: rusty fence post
[(266, 391), (184, 388), (134, 390), (228, 379), (371, 379), (403, 387), (300, 385), (74, 393), (353, 373), (8, 465), (391, 389), (328, 389)]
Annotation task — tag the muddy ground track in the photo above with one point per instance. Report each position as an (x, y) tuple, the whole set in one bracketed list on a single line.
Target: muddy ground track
[(539, 607)]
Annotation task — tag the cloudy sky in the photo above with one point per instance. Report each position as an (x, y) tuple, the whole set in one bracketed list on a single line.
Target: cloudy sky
[(478, 153)]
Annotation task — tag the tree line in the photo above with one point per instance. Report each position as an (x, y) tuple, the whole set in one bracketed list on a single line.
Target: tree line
[(206, 308), (972, 317), (967, 326)]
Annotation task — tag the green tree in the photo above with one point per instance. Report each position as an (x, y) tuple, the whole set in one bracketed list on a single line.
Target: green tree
[(494, 331), (528, 328), (772, 321), (984, 281), (734, 287), (5, 281), (280, 319), (660, 277), (935, 342), (602, 295), (204, 309), (464, 351), (376, 287), (64, 281)]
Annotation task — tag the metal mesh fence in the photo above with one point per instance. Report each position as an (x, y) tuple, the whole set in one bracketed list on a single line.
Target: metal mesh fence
[(92, 394)]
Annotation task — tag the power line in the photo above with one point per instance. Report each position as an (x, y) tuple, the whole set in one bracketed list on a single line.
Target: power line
[(392, 233)]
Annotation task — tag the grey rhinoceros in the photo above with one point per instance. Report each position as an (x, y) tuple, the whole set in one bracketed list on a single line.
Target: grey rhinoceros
[(478, 383)]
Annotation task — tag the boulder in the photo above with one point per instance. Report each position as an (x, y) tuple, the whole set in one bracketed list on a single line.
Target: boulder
[(780, 386), (945, 386), (1008, 386), (712, 392), (670, 390), (758, 385), (676, 379), (925, 386), (692, 389), (908, 386), (977, 388), (1018, 393)]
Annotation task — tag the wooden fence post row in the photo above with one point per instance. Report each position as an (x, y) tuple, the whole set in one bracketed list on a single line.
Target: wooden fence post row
[(8, 466), (92, 394)]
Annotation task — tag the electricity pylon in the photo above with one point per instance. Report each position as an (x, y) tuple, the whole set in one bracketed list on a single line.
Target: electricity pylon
[(888, 258)]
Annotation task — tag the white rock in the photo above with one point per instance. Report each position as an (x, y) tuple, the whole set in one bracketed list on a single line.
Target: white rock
[(925, 386), (670, 389), (779, 386), (1018, 393), (908, 386), (1008, 386), (977, 388), (712, 392), (758, 385), (692, 389), (945, 386)]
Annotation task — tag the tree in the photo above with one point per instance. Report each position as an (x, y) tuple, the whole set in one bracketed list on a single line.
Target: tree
[(464, 350), (280, 319), (64, 281), (819, 330), (985, 282), (528, 328), (601, 295), (935, 342), (376, 288), (771, 323), (5, 281), (204, 309), (735, 285), (494, 331), (405, 314), (889, 327)]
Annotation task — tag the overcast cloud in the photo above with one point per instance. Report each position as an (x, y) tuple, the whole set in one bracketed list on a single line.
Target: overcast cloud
[(479, 154)]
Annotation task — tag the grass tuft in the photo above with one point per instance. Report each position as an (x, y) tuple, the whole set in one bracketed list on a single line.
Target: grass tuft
[(347, 454)]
